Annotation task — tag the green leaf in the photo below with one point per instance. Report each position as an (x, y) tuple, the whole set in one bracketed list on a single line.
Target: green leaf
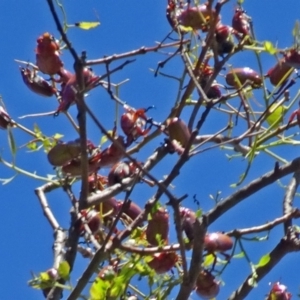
[(239, 255), (198, 213), (64, 270), (209, 260), (269, 47), (104, 139), (276, 114), (263, 261), (87, 25), (37, 131), (58, 136), (44, 276), (32, 146), (99, 289)]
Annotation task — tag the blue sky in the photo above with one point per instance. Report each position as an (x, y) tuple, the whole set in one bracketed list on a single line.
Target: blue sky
[(126, 25)]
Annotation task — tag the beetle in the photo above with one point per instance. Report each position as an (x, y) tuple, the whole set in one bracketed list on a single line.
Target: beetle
[(158, 227), (178, 133), (64, 76), (280, 73), (196, 17), (217, 242), (121, 170), (92, 219), (133, 123), (96, 182), (188, 218), (163, 262), (295, 114), (214, 91), (5, 119), (241, 23), (70, 89), (131, 209), (111, 155), (207, 287), (74, 168), (240, 76), (62, 153), (279, 292), (36, 83), (47, 54), (224, 39)]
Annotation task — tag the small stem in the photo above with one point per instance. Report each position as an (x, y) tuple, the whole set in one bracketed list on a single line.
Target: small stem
[(21, 171)]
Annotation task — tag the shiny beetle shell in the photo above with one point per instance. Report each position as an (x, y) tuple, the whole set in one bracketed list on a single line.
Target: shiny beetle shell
[(158, 225), (163, 262), (36, 83), (206, 285), (241, 22), (217, 242), (132, 210), (5, 119), (196, 17), (239, 76), (70, 89), (119, 171), (92, 219), (47, 54), (178, 131), (188, 219), (109, 156), (279, 292), (224, 39)]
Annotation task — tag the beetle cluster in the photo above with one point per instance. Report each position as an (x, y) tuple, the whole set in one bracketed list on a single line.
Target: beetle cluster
[(48, 62), (229, 39), (152, 224)]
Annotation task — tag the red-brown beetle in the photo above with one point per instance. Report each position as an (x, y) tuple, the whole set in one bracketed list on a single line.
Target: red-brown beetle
[(158, 226), (109, 156), (5, 119), (224, 39), (64, 76), (121, 170), (74, 168), (163, 262), (217, 242), (197, 17), (281, 72), (47, 54), (295, 114), (110, 206), (97, 182), (36, 83), (207, 287), (240, 76), (93, 220), (214, 91), (132, 210), (133, 123), (178, 131), (279, 292), (70, 89), (62, 153), (241, 22), (188, 219)]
